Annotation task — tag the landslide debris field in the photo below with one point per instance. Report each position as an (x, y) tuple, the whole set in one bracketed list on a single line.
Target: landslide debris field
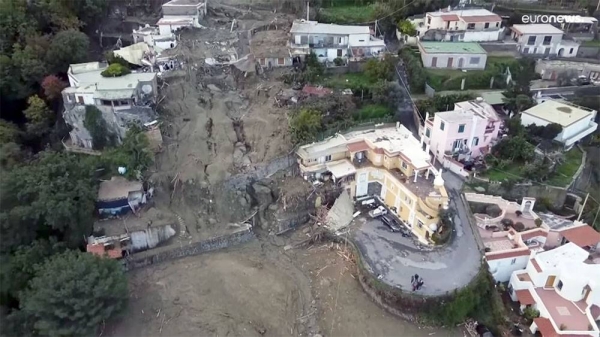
[(259, 289)]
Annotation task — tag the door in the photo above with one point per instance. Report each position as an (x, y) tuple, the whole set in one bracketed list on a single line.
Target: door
[(461, 63), (362, 184), (434, 62), (550, 281), (80, 99), (450, 59)]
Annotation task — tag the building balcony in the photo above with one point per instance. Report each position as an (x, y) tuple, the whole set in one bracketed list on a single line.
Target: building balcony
[(490, 129), (70, 147)]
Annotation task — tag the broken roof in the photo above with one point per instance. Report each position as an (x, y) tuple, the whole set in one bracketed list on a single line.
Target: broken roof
[(117, 188), (313, 27), (270, 44), (340, 168), (134, 53)]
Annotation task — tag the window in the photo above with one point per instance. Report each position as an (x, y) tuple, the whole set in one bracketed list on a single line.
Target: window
[(361, 40), (547, 40), (461, 128), (429, 20), (281, 61), (471, 26), (559, 285), (420, 223), (339, 53), (571, 51), (404, 166), (474, 60), (442, 126), (475, 141), (105, 102), (263, 62), (531, 41), (328, 158), (525, 50), (80, 99), (513, 261), (487, 25), (434, 62), (427, 133), (497, 24)]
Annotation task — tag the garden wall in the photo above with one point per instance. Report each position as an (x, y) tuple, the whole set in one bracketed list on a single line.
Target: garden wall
[(219, 242), (589, 52)]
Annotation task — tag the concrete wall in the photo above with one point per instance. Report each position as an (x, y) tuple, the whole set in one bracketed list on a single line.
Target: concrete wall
[(589, 52), (502, 269), (195, 248)]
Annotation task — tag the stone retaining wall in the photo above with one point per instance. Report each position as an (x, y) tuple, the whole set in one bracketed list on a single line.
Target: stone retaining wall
[(194, 248)]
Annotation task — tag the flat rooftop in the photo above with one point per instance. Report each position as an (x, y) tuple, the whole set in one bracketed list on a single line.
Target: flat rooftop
[(184, 3), (559, 112), (451, 48), (563, 311), (468, 14), (313, 27), (568, 254), (117, 188), (536, 28), (90, 74)]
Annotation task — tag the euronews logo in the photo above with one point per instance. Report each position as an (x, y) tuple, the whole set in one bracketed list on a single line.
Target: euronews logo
[(552, 19)]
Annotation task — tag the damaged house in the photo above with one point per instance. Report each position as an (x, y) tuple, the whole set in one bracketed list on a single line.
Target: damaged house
[(119, 196), (123, 101)]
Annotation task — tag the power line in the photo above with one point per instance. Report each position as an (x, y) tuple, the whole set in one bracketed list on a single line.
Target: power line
[(385, 16)]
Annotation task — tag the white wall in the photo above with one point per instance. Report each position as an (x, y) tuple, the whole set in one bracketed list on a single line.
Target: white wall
[(442, 61), (538, 47), (502, 269), (481, 36), (88, 98), (332, 53), (359, 39), (575, 128), (169, 29)]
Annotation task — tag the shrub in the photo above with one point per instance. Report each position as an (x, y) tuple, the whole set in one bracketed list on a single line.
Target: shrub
[(338, 61), (519, 226), (538, 222), (518, 213), (493, 211), (115, 70), (530, 314)]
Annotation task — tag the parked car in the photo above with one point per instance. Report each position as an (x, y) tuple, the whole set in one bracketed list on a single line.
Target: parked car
[(391, 223), (377, 212)]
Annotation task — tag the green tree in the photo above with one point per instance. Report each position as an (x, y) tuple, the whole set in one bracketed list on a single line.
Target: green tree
[(116, 70), (551, 130), (39, 116), (14, 23), (97, 127), (514, 148), (67, 47), (376, 70), (387, 93), (73, 293), (29, 64), (133, 154), (407, 28), (53, 194), (11, 86), (9, 132), (17, 269), (305, 125)]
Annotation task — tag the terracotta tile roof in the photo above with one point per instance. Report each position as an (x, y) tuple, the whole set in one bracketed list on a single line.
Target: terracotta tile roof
[(358, 146), (99, 250), (481, 18), (582, 236), (536, 265), (533, 233), (524, 297), (450, 17), (508, 254), (545, 327)]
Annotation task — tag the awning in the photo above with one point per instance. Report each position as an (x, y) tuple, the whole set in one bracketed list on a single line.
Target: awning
[(341, 168)]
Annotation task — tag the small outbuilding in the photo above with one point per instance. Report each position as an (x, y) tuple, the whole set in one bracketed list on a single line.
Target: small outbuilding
[(118, 196)]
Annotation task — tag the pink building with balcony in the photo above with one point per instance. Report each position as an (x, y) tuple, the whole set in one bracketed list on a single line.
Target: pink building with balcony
[(464, 133)]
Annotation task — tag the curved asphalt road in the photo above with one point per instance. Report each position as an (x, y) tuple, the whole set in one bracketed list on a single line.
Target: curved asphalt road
[(395, 258)]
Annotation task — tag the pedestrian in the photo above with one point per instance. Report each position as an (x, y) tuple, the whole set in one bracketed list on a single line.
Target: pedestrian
[(412, 279), (419, 285), (416, 277)]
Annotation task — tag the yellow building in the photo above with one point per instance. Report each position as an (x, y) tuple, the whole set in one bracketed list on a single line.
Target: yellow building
[(389, 163)]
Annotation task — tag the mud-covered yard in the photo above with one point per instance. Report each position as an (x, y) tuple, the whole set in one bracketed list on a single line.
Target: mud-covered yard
[(261, 289)]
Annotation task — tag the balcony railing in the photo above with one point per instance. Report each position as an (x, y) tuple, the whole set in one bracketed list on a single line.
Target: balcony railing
[(489, 129)]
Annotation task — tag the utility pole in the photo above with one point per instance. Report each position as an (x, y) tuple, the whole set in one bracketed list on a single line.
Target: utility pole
[(308, 10), (583, 207)]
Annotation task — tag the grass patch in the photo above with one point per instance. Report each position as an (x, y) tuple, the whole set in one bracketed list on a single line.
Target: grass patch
[(347, 81), (565, 171), (372, 111), (346, 14), (450, 79), (511, 172), (593, 43)]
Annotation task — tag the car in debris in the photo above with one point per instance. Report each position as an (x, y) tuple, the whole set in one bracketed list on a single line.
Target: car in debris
[(377, 212), (391, 223)]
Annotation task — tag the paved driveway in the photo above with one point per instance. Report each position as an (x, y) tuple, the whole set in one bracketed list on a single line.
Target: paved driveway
[(396, 258)]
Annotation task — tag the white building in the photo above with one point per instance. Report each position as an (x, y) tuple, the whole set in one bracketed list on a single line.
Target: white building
[(181, 13), (329, 41), (543, 40), (564, 286), (152, 37), (468, 25), (577, 121), (121, 100), (453, 55)]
